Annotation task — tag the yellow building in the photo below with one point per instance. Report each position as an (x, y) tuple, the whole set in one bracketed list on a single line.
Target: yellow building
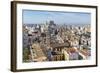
[(66, 55)]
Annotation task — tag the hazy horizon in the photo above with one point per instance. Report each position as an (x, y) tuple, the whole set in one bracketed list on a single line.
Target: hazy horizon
[(40, 17)]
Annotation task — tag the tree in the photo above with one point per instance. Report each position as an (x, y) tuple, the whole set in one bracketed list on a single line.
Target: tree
[(25, 54)]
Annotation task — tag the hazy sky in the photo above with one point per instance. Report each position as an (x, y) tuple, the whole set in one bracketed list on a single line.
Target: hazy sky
[(32, 17)]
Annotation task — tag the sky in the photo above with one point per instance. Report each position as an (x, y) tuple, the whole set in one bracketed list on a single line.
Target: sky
[(38, 17)]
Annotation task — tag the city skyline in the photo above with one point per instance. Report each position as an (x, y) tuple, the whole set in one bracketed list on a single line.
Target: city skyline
[(53, 43), (38, 17)]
